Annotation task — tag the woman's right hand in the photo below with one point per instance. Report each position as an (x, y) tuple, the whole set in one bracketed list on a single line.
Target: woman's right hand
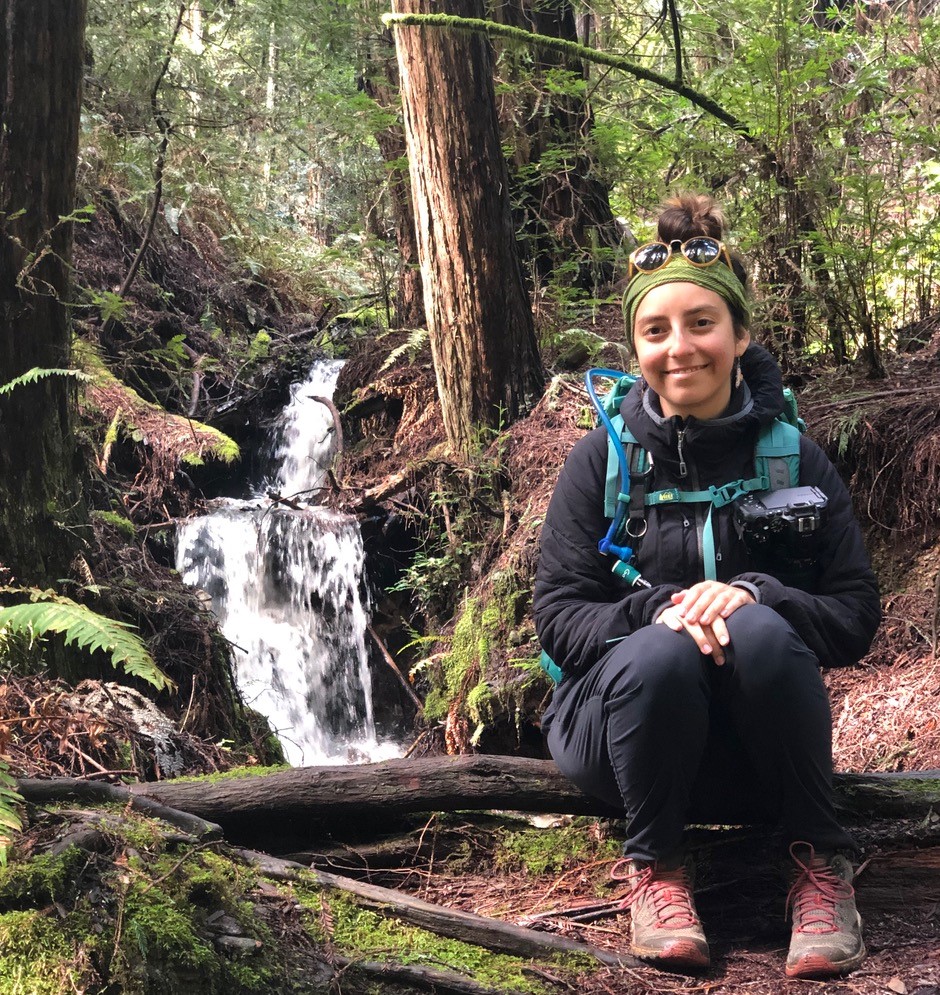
[(710, 639)]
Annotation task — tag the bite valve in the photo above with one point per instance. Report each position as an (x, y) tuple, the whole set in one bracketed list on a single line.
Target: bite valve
[(629, 573)]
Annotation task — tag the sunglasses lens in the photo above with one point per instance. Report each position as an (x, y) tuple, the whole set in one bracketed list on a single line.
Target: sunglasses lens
[(701, 251), (651, 257)]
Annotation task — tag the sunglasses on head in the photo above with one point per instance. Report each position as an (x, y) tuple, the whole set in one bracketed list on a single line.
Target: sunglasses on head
[(699, 251)]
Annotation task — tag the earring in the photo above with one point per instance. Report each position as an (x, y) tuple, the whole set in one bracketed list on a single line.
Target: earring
[(737, 377)]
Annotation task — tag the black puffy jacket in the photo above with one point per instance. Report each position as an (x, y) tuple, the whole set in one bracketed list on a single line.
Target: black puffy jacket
[(581, 608)]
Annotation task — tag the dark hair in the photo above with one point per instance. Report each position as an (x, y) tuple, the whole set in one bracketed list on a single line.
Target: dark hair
[(687, 215)]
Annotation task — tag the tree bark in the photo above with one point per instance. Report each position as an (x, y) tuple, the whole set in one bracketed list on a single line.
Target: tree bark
[(41, 64), (467, 783), (483, 342), (382, 85), (562, 206)]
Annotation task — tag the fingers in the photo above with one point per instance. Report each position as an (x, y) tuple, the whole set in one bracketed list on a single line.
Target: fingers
[(708, 601), (710, 639)]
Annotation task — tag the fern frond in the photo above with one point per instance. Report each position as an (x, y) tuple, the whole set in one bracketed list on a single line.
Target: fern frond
[(411, 346), (31, 376), (10, 798), (89, 630)]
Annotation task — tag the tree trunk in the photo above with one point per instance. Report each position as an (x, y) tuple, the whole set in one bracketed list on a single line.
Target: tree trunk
[(563, 210), (382, 85), (483, 342), (41, 63)]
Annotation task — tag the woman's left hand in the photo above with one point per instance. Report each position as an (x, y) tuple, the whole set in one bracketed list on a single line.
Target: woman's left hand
[(701, 611), (705, 602)]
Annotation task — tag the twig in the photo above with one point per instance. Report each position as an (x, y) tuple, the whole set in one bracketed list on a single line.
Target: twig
[(418, 703), (160, 164)]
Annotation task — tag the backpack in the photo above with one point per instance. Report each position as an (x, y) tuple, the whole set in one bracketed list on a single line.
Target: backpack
[(626, 496)]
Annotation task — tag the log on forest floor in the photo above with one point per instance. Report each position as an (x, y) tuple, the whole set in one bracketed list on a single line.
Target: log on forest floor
[(482, 931), (467, 783)]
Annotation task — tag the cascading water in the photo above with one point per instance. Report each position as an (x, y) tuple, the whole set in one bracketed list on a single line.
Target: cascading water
[(287, 588)]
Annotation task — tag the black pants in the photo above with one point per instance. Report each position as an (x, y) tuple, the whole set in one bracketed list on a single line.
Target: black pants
[(656, 729)]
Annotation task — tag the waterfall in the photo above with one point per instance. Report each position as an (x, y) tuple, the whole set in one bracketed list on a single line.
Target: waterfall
[(286, 585)]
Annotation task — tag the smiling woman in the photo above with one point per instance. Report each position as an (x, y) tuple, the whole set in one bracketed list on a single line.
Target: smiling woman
[(691, 687)]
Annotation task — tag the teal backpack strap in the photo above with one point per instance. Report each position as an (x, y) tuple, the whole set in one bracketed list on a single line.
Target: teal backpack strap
[(612, 484), (551, 668), (777, 455)]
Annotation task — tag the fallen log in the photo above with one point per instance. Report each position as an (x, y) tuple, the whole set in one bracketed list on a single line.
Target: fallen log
[(468, 783), (494, 934)]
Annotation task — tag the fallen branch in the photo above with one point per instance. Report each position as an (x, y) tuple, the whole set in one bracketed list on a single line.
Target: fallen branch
[(466, 926), (446, 982), (60, 789), (387, 657)]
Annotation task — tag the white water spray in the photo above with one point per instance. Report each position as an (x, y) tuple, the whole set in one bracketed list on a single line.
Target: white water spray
[(287, 588)]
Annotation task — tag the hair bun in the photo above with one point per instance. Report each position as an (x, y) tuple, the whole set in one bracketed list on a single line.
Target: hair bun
[(687, 215)]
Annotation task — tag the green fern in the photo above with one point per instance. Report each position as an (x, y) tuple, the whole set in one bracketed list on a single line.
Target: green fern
[(411, 346), (31, 376), (10, 821), (86, 629)]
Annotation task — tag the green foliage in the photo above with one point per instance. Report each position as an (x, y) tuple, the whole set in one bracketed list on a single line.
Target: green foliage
[(44, 878), (10, 821), (48, 612), (464, 674), (111, 306), (35, 374), (411, 347)]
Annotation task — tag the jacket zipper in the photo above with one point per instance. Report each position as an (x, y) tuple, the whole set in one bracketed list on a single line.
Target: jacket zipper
[(683, 469)]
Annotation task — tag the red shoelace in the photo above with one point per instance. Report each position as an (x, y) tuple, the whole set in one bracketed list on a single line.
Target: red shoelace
[(815, 892), (670, 891)]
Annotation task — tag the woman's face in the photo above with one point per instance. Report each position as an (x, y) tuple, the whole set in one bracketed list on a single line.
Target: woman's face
[(685, 344)]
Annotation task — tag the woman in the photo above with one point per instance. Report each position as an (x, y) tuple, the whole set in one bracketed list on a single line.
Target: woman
[(689, 690)]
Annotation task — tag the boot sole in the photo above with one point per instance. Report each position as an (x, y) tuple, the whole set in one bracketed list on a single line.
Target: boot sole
[(682, 955), (818, 966)]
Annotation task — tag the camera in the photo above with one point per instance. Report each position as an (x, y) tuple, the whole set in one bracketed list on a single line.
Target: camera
[(786, 522)]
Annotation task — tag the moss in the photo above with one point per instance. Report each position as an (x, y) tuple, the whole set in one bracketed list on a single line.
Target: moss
[(359, 932), (36, 956), (40, 880), (480, 635), (540, 851), (124, 525), (156, 922), (233, 774)]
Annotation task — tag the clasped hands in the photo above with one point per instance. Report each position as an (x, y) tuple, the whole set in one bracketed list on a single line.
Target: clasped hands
[(701, 610)]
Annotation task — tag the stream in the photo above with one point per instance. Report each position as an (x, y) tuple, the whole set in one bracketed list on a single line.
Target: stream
[(287, 587)]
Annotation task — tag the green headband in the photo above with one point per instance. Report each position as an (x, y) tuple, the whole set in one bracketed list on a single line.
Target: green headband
[(717, 277)]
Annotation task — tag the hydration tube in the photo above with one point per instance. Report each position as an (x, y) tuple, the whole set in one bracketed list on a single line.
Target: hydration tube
[(606, 545)]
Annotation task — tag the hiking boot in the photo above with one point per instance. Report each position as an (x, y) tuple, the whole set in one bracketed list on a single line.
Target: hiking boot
[(664, 926), (827, 929)]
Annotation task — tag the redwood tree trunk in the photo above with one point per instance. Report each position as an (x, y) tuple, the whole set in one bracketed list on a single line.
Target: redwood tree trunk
[(562, 205), (381, 83), (41, 64), (482, 336)]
